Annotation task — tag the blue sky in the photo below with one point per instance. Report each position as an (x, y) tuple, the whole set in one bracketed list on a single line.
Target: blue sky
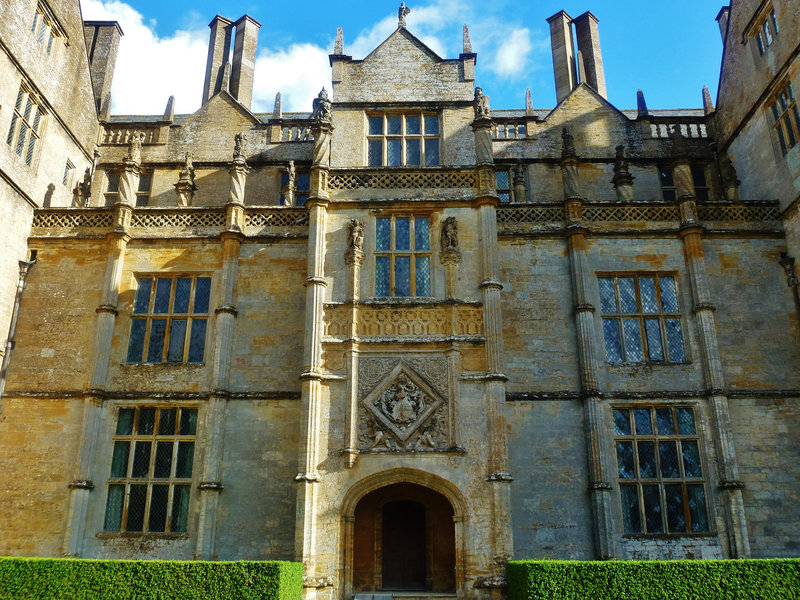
[(669, 49)]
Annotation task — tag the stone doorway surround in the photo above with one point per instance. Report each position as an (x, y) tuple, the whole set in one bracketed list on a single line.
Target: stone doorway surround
[(446, 490)]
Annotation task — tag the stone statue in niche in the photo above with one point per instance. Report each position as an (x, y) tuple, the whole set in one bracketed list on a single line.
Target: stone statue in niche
[(356, 235), (402, 13), (449, 237), (239, 146), (567, 144), (321, 112), (135, 147), (481, 105)]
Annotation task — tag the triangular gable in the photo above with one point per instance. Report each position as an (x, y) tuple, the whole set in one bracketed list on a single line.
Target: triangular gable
[(592, 101), (222, 108), (402, 40)]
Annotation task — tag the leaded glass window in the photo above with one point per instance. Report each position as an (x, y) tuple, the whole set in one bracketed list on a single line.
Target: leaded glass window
[(151, 470), (402, 256), (27, 122), (409, 139), (641, 320), (786, 119), (660, 471), (170, 316)]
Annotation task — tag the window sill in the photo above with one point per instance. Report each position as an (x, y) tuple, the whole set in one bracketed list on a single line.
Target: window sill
[(669, 536), (150, 535), (628, 365), (169, 365)]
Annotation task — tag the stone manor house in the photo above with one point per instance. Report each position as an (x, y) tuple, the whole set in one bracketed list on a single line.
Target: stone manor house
[(402, 337)]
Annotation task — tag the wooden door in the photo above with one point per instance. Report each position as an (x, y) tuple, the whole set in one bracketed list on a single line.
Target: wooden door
[(403, 552)]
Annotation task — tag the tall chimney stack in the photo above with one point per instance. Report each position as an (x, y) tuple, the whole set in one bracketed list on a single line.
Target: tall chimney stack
[(219, 49), (563, 49), (244, 59), (589, 46), (102, 43), (722, 19)]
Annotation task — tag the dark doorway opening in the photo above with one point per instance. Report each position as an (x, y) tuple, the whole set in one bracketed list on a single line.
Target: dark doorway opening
[(403, 559)]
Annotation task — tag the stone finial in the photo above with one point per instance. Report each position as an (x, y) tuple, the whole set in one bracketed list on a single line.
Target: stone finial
[(528, 103), (240, 147), (641, 105), (449, 238), (277, 110), (135, 147), (169, 111), (567, 144), (708, 104), (467, 41), (481, 105), (321, 108), (338, 45), (679, 149), (355, 230), (402, 13)]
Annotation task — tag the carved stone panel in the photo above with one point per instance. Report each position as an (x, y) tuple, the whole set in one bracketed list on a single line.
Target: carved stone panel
[(403, 404)]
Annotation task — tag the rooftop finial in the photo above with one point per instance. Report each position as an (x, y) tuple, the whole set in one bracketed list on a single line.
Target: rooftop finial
[(277, 109), (467, 41), (708, 104), (528, 103), (641, 105), (338, 45), (169, 111), (402, 13)]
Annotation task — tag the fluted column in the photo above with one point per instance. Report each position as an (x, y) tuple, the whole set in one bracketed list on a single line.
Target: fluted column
[(353, 258), (595, 431), (498, 476), (692, 234)]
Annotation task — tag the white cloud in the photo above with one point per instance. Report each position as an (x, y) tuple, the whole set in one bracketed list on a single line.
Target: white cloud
[(512, 54), (298, 73)]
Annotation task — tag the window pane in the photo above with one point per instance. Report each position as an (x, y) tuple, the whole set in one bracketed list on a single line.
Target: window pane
[(393, 125), (146, 424), (685, 421), (777, 30), (136, 506), (669, 195), (631, 518), (112, 181), (12, 129), (163, 466), (647, 291), (412, 125), (647, 459), (177, 336), (652, 509), (402, 276), (116, 496), (697, 507), (668, 453), (691, 459), (383, 234), (185, 457), (23, 132), (158, 508), (197, 341), (119, 462), (502, 180), (183, 287), (431, 124), (627, 295), (382, 276), (622, 423), (155, 349), (303, 182), (145, 179), (202, 291), (652, 330), (188, 421), (423, 276), (608, 302), (180, 508), (166, 421), (612, 340), (625, 460), (376, 125), (402, 233), (412, 152), (141, 459), (136, 343), (674, 340), (505, 197), (669, 297), (394, 152), (676, 521), (125, 421), (641, 416), (32, 142), (163, 288), (666, 178), (375, 153), (431, 152), (633, 340), (422, 235), (664, 421), (142, 301)]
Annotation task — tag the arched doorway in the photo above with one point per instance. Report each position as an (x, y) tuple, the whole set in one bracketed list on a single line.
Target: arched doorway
[(404, 540)]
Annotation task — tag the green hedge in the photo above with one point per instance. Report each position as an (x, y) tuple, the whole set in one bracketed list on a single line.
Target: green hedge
[(78, 579), (756, 579)]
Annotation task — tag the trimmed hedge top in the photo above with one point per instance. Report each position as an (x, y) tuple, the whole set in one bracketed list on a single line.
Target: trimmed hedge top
[(754, 579), (78, 579)]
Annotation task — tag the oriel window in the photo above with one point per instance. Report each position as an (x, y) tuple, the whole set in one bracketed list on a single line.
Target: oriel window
[(402, 256), (409, 139)]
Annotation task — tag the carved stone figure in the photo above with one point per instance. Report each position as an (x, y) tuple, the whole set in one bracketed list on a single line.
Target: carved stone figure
[(481, 105), (567, 144), (240, 146), (402, 13), (83, 190), (356, 235), (729, 180), (620, 160), (187, 171), (321, 108), (622, 180), (185, 188), (449, 237), (135, 147)]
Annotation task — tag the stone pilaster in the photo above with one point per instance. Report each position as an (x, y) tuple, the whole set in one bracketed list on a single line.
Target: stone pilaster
[(354, 258), (596, 434), (692, 234)]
